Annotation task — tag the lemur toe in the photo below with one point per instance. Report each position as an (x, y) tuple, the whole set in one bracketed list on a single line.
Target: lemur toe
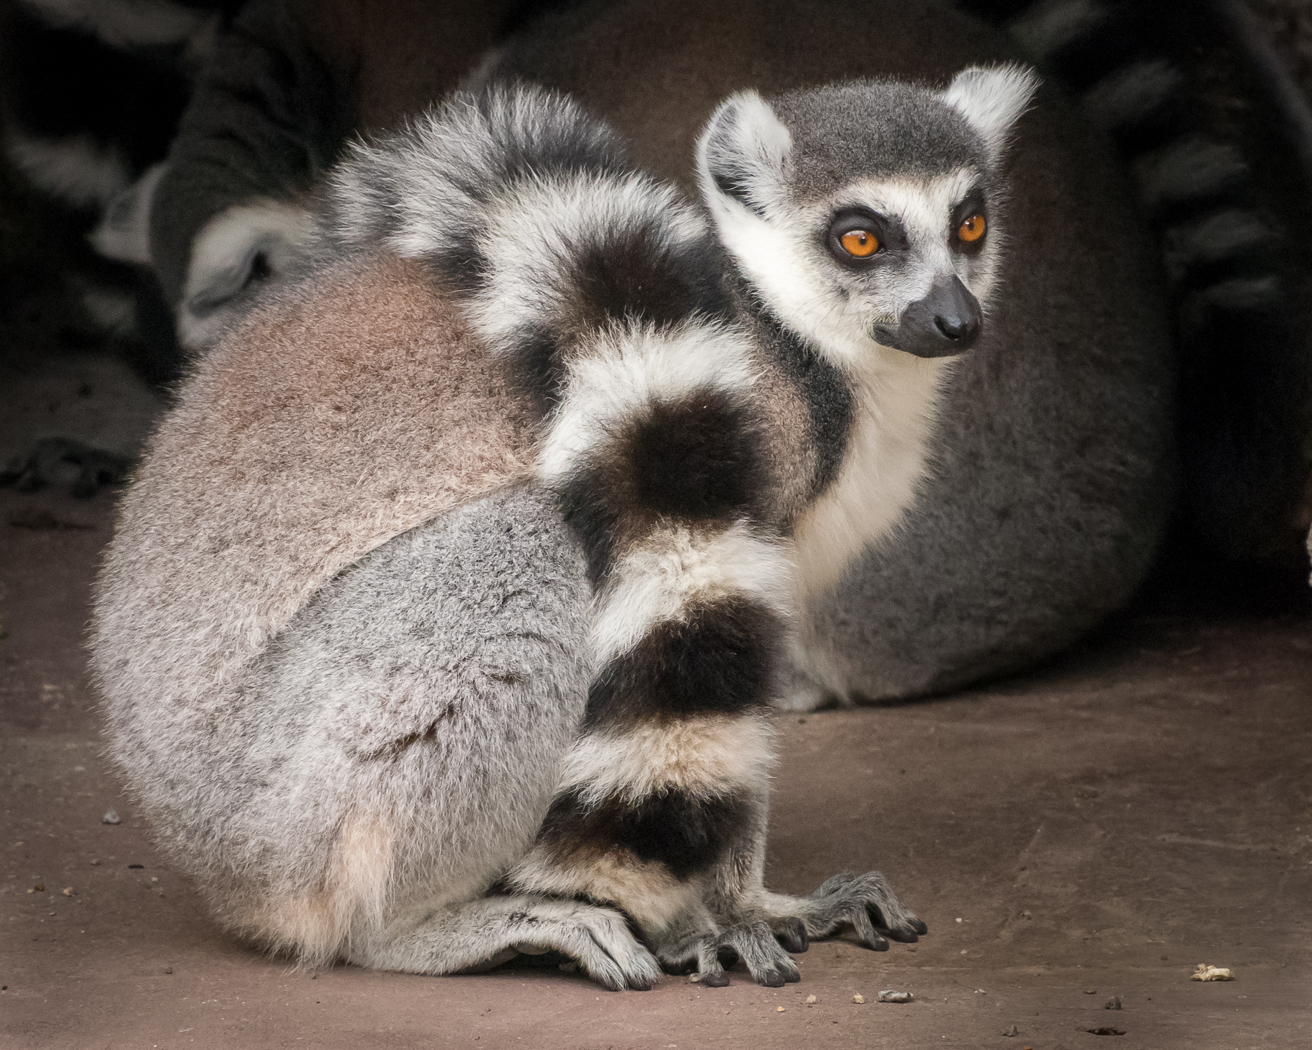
[(782, 972), (792, 935), (901, 934)]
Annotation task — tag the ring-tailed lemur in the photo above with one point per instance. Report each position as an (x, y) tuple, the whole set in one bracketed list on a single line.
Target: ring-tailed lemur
[(692, 410), (1134, 64)]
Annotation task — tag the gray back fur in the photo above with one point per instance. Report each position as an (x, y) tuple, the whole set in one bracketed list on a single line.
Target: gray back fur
[(438, 678)]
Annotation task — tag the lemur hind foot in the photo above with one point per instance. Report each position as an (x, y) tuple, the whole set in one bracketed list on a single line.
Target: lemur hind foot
[(486, 932), (864, 903), (763, 930)]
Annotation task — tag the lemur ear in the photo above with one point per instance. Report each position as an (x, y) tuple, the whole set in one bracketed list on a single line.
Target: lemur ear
[(992, 100), (742, 153)]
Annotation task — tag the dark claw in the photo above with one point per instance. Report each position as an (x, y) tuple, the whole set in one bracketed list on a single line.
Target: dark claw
[(771, 979), (716, 980), (794, 938), (919, 926), (792, 977), (879, 944), (902, 936)]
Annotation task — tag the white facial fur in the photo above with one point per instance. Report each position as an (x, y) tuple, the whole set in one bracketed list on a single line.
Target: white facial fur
[(785, 257), (992, 99), (780, 242)]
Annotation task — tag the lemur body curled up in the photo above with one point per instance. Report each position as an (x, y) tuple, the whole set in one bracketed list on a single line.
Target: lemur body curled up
[(546, 691)]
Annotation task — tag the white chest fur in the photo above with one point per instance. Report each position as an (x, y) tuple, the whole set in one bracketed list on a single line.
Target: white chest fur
[(885, 460)]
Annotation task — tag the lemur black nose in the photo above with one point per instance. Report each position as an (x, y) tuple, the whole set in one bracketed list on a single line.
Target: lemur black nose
[(957, 317), (947, 321), (957, 328)]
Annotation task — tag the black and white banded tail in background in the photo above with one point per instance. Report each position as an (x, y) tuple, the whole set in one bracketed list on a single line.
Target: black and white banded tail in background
[(1190, 94)]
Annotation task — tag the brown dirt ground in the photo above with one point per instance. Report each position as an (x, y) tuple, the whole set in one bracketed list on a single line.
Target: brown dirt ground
[(1093, 830)]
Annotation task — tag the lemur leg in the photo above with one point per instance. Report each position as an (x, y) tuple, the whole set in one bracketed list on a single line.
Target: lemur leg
[(865, 903), (395, 751)]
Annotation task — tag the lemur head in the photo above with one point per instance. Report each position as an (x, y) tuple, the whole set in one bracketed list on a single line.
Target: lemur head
[(864, 213)]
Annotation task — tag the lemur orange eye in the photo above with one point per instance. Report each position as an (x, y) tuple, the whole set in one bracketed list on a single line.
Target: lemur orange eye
[(971, 229), (860, 243)]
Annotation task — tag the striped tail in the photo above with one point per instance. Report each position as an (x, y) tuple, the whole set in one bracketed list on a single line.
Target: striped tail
[(600, 289)]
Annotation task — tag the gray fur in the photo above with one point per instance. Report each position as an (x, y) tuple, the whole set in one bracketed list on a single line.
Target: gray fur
[(898, 130), (1052, 24), (270, 139), (431, 687), (1133, 93), (1213, 238), (1187, 170)]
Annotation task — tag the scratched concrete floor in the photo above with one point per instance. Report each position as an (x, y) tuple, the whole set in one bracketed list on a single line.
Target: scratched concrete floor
[(1095, 829)]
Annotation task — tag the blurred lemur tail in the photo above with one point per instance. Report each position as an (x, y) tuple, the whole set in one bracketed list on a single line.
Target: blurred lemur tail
[(1243, 347), (90, 98)]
